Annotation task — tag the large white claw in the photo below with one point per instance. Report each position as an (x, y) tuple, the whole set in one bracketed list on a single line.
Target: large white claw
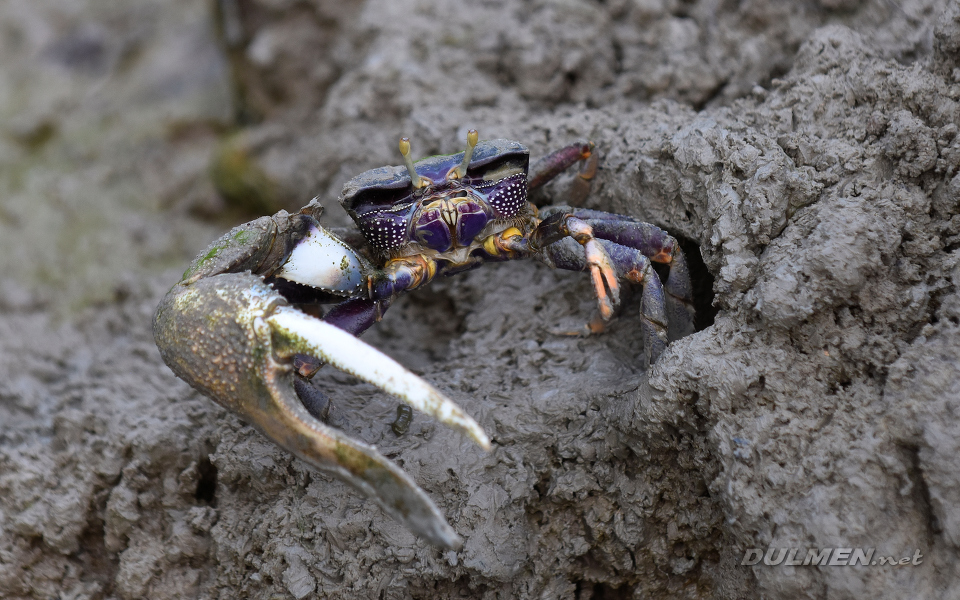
[(233, 338), (298, 332)]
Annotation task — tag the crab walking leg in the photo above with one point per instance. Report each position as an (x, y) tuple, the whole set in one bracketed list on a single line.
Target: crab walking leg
[(560, 160), (632, 265), (653, 242), (636, 267), (582, 184), (295, 332), (561, 225), (660, 247), (356, 315), (679, 290), (656, 244)]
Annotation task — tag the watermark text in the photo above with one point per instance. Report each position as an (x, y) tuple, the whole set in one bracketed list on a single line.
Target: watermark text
[(826, 557)]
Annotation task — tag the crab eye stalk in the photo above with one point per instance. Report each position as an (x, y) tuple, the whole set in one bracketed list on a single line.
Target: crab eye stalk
[(415, 179), (461, 171)]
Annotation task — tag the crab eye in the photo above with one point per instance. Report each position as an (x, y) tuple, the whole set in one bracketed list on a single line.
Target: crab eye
[(501, 167), (504, 171), (379, 198)]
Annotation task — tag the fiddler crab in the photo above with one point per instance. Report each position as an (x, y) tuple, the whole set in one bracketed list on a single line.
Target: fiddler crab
[(244, 325)]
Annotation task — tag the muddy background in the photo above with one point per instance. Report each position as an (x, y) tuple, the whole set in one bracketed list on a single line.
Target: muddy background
[(807, 154)]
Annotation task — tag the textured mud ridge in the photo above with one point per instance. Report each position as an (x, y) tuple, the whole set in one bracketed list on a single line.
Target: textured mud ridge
[(811, 150)]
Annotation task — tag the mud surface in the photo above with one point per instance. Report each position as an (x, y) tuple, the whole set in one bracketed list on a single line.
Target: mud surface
[(810, 149)]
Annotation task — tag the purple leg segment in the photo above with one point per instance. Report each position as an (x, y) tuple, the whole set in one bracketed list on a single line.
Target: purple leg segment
[(632, 265), (559, 161), (654, 243), (660, 247), (401, 275), (313, 399), (356, 315), (564, 225)]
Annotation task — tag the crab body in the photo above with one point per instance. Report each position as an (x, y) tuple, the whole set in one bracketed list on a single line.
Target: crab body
[(448, 212), (244, 328)]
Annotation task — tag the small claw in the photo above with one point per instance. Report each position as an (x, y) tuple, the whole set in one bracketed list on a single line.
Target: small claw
[(604, 277), (295, 332)]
